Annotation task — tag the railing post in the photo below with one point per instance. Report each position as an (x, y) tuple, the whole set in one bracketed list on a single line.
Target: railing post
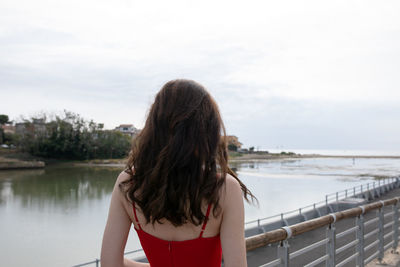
[(330, 246), (360, 238), (380, 234), (362, 191), (354, 191), (97, 262), (379, 186), (283, 253), (395, 225), (337, 196)]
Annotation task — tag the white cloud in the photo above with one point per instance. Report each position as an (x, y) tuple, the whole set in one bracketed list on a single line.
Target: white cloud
[(268, 61)]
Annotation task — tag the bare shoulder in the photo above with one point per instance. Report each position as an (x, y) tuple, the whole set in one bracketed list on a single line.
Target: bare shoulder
[(231, 191), (123, 177), (232, 185), (231, 182)]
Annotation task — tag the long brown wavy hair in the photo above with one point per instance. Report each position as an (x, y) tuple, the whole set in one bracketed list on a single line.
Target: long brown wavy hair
[(177, 156)]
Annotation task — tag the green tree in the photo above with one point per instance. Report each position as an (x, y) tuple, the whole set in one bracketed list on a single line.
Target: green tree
[(232, 147), (3, 119), (71, 137)]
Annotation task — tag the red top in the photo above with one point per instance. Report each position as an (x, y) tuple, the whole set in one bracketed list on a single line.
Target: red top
[(201, 251)]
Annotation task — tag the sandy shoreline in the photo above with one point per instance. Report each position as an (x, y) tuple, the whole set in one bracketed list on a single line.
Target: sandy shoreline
[(11, 164)]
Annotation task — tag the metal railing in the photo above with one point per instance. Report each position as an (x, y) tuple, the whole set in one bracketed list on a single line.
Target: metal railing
[(371, 189), (384, 239)]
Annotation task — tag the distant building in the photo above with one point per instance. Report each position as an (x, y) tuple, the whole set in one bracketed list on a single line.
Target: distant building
[(8, 128), (36, 127), (233, 140), (127, 129)]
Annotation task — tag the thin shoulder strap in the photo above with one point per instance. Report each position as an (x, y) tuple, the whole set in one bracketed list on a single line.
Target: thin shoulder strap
[(134, 212), (205, 221)]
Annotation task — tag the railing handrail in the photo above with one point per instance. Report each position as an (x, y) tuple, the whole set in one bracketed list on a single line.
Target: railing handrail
[(281, 234)]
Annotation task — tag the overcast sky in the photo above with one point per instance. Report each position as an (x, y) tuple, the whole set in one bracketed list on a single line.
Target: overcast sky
[(290, 74)]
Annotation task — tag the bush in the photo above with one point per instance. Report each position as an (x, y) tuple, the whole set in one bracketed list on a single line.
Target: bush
[(71, 137), (232, 147)]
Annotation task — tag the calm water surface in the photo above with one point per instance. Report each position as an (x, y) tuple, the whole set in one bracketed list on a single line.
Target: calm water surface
[(56, 216)]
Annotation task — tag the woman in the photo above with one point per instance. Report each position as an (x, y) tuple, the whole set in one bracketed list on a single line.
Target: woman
[(184, 201)]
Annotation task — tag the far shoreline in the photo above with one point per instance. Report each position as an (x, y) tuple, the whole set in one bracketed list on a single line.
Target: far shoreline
[(240, 158), (21, 161), (249, 157)]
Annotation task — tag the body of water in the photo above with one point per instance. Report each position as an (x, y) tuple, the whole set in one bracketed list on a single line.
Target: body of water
[(56, 216)]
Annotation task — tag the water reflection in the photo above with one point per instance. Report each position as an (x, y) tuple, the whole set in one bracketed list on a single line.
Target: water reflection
[(65, 187), (48, 197), (62, 187)]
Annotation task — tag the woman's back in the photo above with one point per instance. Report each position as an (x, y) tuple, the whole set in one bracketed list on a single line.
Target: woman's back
[(199, 251), (166, 230), (189, 245), (177, 189)]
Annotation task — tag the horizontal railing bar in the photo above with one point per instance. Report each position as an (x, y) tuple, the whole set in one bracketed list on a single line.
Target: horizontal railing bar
[(263, 219), (308, 248), (286, 213), (388, 214), (365, 186), (272, 263), (310, 206), (388, 224), (388, 245), (317, 261), (348, 231), (388, 235), (371, 221), (253, 221), (370, 258), (347, 260), (371, 233), (371, 245), (341, 249)]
